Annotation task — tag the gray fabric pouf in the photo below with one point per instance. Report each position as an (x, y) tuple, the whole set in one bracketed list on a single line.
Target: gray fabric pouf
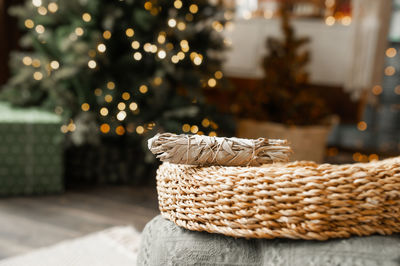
[(164, 243)]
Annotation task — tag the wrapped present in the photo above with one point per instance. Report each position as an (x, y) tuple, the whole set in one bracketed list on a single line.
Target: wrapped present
[(31, 154)]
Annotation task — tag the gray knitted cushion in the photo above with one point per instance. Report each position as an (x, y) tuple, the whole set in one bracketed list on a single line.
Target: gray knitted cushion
[(164, 243)]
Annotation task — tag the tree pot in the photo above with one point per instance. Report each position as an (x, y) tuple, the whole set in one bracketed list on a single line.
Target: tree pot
[(307, 142)]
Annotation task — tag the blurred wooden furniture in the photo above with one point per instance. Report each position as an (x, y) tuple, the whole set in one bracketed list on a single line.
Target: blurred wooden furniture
[(29, 223)]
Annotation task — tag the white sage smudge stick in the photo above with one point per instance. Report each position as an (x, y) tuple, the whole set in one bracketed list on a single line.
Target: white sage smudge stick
[(205, 150)]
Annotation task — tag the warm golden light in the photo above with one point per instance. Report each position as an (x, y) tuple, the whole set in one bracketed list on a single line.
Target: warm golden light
[(71, 127), (157, 81), (129, 32), (184, 45), (376, 90), (126, 96), (110, 85), (54, 64), (357, 156), (86, 17), (178, 4), (230, 26), (362, 126), (390, 70), (85, 107), (205, 122), (64, 129), (29, 23), (147, 47), (79, 31), (135, 45), (143, 89), (98, 92), (373, 157), (148, 5), (268, 14), (228, 15), (397, 90), (53, 7), (172, 22), (37, 3), (212, 82), (346, 20), (39, 29), (101, 47), (121, 106), (121, 115), (120, 130), (217, 26), (197, 60), (137, 56), (36, 63), (218, 75), (162, 54), (391, 52), (330, 21), (107, 34), (154, 11), (186, 128), (247, 15), (140, 130), (194, 129), (27, 60), (108, 98), (332, 151), (181, 55), (133, 106), (174, 59), (212, 134), (104, 111), (92, 64), (181, 26), (105, 128), (37, 75), (193, 8), (42, 10), (161, 38)]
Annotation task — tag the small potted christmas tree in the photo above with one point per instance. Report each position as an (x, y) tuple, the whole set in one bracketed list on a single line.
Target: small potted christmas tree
[(287, 105)]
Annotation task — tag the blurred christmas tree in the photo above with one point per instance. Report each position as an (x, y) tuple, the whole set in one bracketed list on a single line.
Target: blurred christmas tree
[(285, 95), (120, 68)]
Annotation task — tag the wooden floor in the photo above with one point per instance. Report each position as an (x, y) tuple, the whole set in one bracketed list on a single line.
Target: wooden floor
[(27, 223)]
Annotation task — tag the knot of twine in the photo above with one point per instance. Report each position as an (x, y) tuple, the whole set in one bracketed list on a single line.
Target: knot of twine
[(205, 150)]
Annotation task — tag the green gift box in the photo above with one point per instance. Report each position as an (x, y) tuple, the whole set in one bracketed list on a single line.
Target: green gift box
[(31, 154)]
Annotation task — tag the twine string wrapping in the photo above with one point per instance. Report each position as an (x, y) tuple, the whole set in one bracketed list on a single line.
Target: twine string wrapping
[(188, 149), (205, 150)]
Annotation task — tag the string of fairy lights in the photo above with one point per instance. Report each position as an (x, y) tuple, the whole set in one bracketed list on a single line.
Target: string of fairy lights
[(377, 90), (362, 125), (162, 50)]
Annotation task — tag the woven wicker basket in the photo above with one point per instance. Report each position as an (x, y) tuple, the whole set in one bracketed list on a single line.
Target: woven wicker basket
[(295, 200)]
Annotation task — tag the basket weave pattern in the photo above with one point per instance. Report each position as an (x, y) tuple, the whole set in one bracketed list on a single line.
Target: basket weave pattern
[(300, 200)]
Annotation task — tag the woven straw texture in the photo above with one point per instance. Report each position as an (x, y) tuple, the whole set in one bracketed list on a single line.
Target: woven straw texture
[(294, 200)]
